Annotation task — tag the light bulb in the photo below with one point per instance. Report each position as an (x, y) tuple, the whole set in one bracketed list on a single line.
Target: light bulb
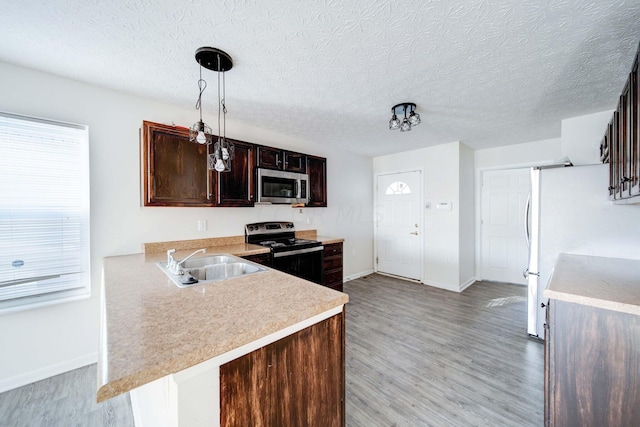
[(225, 154), (219, 167), (201, 138)]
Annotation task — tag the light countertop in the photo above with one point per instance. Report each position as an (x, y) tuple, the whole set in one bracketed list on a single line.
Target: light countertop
[(608, 283), (153, 328)]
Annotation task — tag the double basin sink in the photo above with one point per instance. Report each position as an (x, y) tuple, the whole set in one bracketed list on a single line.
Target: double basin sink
[(211, 268)]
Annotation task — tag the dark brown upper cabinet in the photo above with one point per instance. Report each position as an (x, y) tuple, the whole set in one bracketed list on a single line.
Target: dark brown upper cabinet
[(622, 139), (235, 188), (274, 158), (176, 174), (317, 171), (175, 169)]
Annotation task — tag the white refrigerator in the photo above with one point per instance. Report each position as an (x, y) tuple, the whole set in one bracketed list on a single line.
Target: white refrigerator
[(570, 212)]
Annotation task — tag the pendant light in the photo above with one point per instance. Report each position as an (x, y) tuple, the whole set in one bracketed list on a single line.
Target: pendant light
[(200, 132), (219, 159), (407, 123)]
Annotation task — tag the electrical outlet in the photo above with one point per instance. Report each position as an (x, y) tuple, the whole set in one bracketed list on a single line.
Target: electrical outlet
[(202, 225)]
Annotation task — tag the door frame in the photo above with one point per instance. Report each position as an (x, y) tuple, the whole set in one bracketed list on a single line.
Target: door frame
[(421, 218)]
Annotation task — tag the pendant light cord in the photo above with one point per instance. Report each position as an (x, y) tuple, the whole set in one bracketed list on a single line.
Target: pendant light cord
[(219, 102), (202, 85)]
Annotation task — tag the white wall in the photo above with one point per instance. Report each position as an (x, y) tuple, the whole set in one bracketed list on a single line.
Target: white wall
[(41, 342), (467, 217), (581, 137), (441, 172)]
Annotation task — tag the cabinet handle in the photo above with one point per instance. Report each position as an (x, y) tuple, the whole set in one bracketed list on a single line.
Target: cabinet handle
[(624, 179)]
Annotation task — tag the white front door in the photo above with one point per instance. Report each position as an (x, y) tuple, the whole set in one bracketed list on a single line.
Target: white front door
[(399, 224), (504, 246)]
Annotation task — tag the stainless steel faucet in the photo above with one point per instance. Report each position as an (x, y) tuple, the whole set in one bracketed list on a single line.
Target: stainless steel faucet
[(177, 269)]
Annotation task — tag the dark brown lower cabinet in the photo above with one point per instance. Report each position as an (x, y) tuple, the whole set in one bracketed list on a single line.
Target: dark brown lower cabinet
[(296, 381), (258, 258), (332, 266), (593, 372)]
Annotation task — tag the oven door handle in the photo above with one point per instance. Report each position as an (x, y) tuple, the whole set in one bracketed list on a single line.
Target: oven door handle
[(298, 251)]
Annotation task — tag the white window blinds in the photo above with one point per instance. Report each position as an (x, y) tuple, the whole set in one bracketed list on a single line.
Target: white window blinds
[(44, 211)]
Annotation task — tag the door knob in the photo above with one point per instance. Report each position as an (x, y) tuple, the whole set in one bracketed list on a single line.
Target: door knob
[(414, 233)]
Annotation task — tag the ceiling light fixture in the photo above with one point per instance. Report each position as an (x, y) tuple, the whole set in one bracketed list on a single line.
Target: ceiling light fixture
[(217, 60), (407, 123)]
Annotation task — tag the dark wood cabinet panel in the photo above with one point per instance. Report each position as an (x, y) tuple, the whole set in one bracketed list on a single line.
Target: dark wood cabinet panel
[(332, 266), (295, 162), (622, 138), (236, 187), (317, 171), (269, 158), (262, 259), (296, 381), (593, 366), (174, 169), (275, 158), (634, 129)]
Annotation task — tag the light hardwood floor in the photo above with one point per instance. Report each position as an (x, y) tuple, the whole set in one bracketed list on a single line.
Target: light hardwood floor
[(422, 356), (416, 356)]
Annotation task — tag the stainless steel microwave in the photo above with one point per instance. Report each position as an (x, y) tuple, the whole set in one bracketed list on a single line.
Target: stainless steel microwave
[(279, 187)]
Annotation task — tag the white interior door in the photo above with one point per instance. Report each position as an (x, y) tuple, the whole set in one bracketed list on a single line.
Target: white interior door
[(399, 225), (504, 247)]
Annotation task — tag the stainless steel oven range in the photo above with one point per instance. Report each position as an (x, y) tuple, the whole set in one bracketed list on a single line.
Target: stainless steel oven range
[(298, 257)]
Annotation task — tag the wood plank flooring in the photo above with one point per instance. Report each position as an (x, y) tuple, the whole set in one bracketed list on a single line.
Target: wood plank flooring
[(421, 356), (65, 400), (416, 356)]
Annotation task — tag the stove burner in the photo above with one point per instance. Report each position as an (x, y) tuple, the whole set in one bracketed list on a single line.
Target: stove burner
[(267, 243)]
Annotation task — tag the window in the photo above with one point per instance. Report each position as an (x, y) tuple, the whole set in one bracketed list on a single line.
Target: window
[(397, 187), (44, 212)]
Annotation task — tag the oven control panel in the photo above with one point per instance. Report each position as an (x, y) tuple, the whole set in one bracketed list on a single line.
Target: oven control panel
[(269, 227)]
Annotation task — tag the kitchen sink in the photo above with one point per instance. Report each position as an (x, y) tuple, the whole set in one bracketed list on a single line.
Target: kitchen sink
[(210, 260), (209, 269)]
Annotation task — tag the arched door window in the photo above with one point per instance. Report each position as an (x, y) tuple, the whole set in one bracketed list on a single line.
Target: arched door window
[(397, 187)]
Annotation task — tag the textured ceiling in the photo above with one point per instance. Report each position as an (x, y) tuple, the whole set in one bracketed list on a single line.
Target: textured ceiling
[(483, 72)]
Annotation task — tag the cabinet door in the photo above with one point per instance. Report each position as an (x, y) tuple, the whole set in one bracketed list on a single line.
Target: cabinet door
[(612, 159), (317, 171), (625, 144), (235, 188), (615, 156), (269, 158), (332, 274), (295, 162), (296, 381), (634, 118), (174, 169), (594, 366)]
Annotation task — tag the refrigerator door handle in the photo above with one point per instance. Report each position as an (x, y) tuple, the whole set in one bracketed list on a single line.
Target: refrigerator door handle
[(527, 232)]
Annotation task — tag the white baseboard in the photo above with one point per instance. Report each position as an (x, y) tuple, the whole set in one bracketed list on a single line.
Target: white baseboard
[(468, 283), (442, 285), (357, 275), (46, 372)]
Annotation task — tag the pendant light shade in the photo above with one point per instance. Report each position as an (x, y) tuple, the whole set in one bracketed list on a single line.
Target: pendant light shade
[(405, 125)]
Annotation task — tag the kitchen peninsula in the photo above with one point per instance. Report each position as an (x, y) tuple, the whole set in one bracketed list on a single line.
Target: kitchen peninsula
[(262, 348)]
